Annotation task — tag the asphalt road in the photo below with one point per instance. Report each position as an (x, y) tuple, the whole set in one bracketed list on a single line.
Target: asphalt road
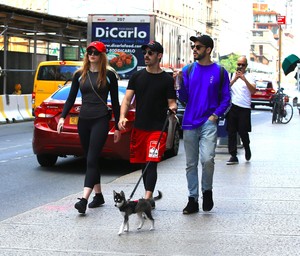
[(24, 184)]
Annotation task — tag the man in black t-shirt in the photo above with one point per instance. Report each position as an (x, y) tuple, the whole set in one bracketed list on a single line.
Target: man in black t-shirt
[(154, 94)]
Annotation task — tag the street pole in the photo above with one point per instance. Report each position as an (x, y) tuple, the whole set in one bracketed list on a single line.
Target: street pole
[(279, 57)]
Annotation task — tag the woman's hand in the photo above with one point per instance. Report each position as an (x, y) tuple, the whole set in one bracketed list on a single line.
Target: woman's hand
[(117, 136), (122, 123), (60, 125)]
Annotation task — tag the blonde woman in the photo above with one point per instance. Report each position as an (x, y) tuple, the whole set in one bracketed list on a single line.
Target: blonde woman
[(95, 81)]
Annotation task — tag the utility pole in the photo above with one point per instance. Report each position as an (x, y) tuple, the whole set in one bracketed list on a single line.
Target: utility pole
[(281, 20), (279, 56)]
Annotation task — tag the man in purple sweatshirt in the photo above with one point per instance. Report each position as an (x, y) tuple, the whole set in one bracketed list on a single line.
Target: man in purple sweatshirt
[(207, 95)]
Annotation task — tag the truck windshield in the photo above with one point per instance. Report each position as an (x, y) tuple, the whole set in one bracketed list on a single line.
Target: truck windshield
[(56, 73)]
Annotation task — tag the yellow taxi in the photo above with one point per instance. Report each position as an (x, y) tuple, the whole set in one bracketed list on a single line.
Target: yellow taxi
[(49, 76)]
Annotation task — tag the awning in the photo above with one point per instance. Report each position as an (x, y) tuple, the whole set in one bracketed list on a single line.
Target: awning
[(290, 63)]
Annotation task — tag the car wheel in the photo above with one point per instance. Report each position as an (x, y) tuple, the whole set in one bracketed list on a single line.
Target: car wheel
[(47, 160), (173, 151)]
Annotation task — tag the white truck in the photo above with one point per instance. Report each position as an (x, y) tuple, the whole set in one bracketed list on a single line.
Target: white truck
[(124, 35)]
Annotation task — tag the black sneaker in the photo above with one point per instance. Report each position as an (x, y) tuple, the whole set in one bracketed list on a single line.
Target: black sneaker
[(247, 153), (208, 202), (232, 160), (192, 206), (98, 200), (153, 199), (81, 205)]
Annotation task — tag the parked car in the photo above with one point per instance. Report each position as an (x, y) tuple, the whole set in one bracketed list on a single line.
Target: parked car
[(48, 145), (264, 93)]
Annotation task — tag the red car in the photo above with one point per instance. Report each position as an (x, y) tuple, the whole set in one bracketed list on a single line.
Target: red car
[(264, 93), (48, 145)]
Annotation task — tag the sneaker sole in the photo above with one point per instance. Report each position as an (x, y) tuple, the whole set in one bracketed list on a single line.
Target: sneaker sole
[(232, 163), (207, 209), (186, 213), (95, 206)]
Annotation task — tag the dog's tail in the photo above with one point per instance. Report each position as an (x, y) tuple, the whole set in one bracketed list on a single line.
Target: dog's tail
[(159, 196)]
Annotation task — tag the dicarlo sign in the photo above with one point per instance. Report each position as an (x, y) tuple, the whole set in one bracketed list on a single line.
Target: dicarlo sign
[(123, 36), (116, 32)]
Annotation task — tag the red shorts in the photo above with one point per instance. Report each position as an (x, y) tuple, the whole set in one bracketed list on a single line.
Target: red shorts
[(143, 146)]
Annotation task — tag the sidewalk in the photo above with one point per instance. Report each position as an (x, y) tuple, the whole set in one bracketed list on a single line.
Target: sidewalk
[(257, 209)]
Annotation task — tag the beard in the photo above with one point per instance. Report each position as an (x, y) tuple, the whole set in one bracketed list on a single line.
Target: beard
[(200, 56)]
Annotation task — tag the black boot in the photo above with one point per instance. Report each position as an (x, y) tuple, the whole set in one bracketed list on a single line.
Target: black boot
[(247, 153), (81, 205), (98, 200), (208, 202), (192, 206)]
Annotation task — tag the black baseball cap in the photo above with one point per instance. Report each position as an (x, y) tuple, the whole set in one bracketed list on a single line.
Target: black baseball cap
[(204, 39), (154, 46)]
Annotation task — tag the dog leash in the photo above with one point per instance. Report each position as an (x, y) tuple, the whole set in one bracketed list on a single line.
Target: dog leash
[(169, 112)]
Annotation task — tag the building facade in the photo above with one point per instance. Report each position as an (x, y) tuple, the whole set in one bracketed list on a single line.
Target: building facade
[(212, 17)]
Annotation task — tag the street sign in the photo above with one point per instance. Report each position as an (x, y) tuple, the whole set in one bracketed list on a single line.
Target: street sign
[(281, 20)]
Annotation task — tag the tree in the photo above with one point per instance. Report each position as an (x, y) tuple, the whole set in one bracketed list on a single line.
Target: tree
[(229, 62)]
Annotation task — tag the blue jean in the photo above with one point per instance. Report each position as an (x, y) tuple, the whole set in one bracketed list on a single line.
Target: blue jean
[(200, 142)]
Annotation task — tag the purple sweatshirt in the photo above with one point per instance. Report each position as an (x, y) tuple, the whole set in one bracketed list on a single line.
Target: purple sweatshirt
[(201, 92)]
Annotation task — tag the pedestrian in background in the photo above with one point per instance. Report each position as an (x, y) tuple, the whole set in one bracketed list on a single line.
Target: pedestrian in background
[(154, 94), (95, 81), (207, 98), (239, 116)]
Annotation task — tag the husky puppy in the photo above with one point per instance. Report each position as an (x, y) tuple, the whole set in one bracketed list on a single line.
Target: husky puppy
[(140, 207)]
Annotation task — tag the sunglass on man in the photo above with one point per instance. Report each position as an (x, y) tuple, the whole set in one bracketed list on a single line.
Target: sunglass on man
[(149, 52), (198, 47)]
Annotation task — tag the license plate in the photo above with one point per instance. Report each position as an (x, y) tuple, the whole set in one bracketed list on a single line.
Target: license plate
[(73, 120)]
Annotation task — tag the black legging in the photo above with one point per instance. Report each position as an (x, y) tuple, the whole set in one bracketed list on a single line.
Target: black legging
[(93, 134), (150, 176)]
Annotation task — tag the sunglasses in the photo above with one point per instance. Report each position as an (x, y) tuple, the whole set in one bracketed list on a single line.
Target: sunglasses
[(198, 47), (95, 53), (150, 53), (241, 64)]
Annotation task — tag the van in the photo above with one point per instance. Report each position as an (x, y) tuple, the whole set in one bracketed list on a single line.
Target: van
[(49, 76)]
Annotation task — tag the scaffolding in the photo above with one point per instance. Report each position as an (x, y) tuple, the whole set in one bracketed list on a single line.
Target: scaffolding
[(37, 30)]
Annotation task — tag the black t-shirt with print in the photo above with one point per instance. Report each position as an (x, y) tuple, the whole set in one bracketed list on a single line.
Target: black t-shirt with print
[(152, 92)]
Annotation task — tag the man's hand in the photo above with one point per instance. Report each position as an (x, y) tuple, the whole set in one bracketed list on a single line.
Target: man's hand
[(117, 136), (213, 118), (172, 105), (240, 74), (173, 110)]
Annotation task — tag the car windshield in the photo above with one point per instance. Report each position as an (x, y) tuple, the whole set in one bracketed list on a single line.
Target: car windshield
[(263, 84), (62, 94)]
